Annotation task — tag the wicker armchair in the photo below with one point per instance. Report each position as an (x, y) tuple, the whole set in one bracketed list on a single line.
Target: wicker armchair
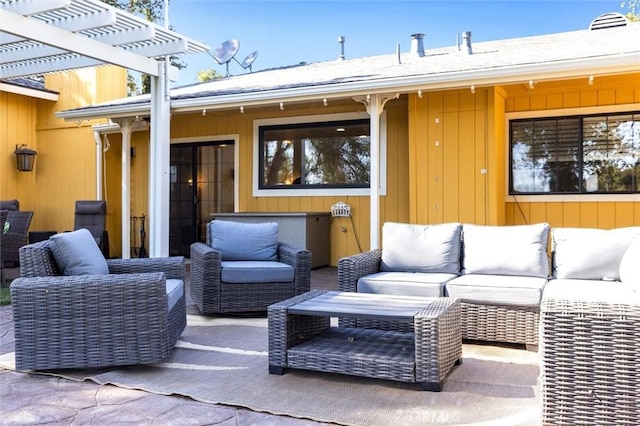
[(133, 315), (212, 294), (16, 236)]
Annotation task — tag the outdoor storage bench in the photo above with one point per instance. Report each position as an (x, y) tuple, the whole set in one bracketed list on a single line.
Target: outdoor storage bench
[(128, 311)]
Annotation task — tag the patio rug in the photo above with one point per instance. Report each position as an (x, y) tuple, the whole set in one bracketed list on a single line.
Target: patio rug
[(224, 361)]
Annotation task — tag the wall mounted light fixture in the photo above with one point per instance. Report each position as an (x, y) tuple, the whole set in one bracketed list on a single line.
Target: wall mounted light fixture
[(25, 158)]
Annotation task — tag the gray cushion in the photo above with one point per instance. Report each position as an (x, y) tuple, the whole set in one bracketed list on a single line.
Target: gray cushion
[(497, 289), (76, 253), (590, 254), (245, 241), (518, 250), (421, 248), (175, 291), (422, 284), (243, 272), (630, 264)]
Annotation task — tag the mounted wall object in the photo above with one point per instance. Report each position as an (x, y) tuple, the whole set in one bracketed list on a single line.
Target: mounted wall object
[(25, 158)]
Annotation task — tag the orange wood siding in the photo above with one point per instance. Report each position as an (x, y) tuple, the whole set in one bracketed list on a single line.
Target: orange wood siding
[(559, 95), (448, 148), (394, 206)]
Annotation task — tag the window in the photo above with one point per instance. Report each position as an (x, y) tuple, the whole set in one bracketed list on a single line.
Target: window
[(331, 154), (575, 155)]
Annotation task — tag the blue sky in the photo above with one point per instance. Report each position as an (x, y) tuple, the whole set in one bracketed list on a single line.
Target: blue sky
[(287, 32)]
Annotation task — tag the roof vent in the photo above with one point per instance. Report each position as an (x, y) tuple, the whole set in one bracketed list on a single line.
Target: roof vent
[(466, 43), (417, 45), (608, 20)]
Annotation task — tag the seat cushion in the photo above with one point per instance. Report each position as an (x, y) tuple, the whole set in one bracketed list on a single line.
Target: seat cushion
[(242, 272), (589, 253), (519, 250), (421, 248), (76, 253), (497, 289), (244, 241), (175, 291), (423, 284)]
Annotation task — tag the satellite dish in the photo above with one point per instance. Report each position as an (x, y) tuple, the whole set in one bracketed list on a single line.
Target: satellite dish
[(225, 52), (248, 61)]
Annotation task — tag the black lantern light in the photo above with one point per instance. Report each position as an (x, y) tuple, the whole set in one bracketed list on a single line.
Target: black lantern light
[(25, 158)]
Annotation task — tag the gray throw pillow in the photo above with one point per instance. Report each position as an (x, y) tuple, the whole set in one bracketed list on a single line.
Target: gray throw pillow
[(516, 250), (244, 241), (76, 253), (421, 248), (589, 253)]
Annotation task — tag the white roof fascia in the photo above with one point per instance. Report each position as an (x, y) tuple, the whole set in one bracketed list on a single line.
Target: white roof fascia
[(28, 91), (44, 33), (615, 64), (506, 75)]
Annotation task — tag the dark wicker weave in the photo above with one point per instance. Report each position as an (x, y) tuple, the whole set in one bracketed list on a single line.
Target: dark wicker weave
[(424, 355), (589, 346), (16, 237), (212, 295), (514, 324), (94, 320)]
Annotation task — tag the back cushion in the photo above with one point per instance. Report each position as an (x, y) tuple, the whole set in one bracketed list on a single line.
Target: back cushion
[(421, 248), (519, 250), (76, 253), (244, 241), (590, 254), (630, 264)]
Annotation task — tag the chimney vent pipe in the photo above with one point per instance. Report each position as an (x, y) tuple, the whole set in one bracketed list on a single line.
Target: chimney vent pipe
[(466, 41), (417, 45)]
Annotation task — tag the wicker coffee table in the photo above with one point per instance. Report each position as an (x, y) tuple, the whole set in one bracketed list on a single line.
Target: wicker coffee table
[(407, 339)]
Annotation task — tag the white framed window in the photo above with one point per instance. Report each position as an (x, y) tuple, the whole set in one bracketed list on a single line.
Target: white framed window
[(320, 155)]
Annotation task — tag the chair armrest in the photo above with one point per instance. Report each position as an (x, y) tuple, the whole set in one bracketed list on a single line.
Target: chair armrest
[(352, 268), (205, 277), (173, 267), (300, 260)]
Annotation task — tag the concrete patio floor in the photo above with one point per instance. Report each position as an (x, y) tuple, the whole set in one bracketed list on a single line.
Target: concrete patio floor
[(27, 399)]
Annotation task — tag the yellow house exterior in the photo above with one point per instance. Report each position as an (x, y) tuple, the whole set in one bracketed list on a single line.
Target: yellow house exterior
[(445, 136), (66, 154)]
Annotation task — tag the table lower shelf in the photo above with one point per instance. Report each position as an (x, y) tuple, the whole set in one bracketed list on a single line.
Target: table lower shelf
[(356, 351)]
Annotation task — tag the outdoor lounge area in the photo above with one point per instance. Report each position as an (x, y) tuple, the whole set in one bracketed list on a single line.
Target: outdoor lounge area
[(444, 232)]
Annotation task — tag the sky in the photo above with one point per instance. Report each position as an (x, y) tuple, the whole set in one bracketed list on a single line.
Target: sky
[(288, 32)]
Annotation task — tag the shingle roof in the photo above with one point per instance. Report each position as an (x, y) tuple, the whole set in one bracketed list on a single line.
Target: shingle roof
[(575, 53)]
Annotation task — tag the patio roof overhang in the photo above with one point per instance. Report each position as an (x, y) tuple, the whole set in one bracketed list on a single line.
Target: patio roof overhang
[(39, 37)]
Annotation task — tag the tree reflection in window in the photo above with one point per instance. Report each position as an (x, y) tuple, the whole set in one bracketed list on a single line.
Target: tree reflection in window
[(330, 154), (582, 154)]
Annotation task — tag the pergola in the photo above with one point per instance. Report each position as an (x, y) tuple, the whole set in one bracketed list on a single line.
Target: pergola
[(45, 36)]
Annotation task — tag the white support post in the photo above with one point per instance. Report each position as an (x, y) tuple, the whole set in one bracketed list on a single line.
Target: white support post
[(98, 140), (159, 161), (375, 107), (125, 184)]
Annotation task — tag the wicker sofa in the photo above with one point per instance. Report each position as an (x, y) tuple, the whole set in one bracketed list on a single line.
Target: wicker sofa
[(131, 313), (498, 272)]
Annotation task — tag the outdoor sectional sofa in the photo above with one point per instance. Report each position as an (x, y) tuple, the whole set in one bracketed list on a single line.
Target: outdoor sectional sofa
[(498, 272)]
